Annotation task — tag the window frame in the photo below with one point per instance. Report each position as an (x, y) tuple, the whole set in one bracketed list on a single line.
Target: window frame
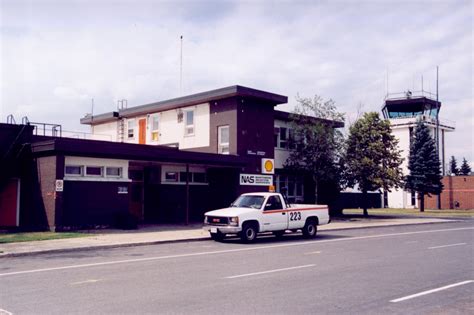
[(153, 130), (131, 128), (223, 145), (81, 169), (94, 175), (114, 167), (171, 180), (189, 129), (297, 181), (274, 206)]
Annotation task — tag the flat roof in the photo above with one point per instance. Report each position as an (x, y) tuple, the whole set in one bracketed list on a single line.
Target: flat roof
[(286, 116), (193, 99), (129, 151)]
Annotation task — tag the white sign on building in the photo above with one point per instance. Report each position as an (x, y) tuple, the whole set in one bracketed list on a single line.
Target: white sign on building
[(256, 180)]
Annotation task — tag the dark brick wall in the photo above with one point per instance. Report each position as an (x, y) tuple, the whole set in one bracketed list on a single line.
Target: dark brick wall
[(167, 203), (256, 131), (46, 170), (88, 203), (458, 193), (223, 112)]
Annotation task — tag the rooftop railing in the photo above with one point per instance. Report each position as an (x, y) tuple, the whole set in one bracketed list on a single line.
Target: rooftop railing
[(410, 94)]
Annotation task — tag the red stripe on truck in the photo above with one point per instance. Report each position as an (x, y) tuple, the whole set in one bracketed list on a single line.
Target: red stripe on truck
[(295, 209)]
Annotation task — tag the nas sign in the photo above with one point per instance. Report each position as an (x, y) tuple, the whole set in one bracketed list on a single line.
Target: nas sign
[(256, 180)]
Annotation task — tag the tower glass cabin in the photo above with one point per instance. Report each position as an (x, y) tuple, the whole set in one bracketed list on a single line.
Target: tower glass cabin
[(411, 105)]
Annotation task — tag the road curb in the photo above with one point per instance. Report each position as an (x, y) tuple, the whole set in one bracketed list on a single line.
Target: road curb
[(99, 247), (111, 246)]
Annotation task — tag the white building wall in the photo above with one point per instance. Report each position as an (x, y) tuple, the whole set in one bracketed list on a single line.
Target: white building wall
[(173, 132), (98, 162), (401, 130), (170, 130), (107, 129)]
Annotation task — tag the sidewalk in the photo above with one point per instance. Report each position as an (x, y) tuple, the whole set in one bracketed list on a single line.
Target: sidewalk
[(157, 234)]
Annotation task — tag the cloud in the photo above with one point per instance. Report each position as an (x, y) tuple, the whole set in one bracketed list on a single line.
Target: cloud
[(56, 56)]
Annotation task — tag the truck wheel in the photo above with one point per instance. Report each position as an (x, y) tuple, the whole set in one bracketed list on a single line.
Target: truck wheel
[(217, 236), (310, 229), (249, 233)]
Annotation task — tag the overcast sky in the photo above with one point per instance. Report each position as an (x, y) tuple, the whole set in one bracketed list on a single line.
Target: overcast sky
[(58, 55)]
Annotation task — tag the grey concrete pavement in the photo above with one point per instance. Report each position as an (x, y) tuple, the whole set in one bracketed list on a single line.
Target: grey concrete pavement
[(410, 269), (147, 235)]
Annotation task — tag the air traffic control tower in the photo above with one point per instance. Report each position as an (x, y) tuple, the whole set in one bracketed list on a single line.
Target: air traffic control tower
[(403, 110)]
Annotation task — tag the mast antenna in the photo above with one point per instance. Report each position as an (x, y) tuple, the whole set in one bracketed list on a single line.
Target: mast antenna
[(181, 68)]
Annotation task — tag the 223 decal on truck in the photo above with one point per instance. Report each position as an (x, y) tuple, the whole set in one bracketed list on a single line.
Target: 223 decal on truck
[(255, 213)]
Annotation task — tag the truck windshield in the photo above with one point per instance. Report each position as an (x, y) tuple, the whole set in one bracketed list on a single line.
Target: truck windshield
[(248, 202)]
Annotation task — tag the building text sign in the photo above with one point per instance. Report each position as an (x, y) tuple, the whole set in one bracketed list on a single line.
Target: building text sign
[(256, 180)]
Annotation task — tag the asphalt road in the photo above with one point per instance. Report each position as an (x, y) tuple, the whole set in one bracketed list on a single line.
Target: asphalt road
[(423, 269)]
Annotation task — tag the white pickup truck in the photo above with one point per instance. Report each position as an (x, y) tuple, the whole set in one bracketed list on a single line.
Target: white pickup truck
[(254, 213)]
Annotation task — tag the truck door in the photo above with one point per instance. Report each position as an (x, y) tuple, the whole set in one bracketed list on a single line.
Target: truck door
[(296, 219), (274, 217)]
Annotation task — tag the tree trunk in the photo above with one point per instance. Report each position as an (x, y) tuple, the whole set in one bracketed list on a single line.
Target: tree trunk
[(315, 190), (364, 203), (422, 201)]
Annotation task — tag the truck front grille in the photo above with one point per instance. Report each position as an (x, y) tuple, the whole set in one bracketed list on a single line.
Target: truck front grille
[(217, 220)]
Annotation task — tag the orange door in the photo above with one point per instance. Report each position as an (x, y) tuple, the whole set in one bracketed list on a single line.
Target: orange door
[(142, 131)]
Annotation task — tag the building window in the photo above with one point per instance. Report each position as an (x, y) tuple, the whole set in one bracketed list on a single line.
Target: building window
[(94, 170), (413, 198), (182, 177), (131, 128), (113, 172), (189, 123), (223, 140), (74, 170), (199, 178), (292, 186), (155, 126), (284, 138), (171, 176)]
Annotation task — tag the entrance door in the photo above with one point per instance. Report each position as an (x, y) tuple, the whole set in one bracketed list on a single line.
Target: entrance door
[(10, 204), (142, 131)]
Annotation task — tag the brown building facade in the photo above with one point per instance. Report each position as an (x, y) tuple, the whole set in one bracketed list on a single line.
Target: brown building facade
[(458, 193)]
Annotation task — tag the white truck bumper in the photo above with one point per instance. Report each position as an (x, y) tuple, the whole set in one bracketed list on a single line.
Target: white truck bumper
[(224, 229)]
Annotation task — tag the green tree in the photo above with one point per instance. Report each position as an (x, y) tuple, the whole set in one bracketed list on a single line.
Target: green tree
[(372, 157), (453, 166), (316, 143), (425, 174), (465, 168)]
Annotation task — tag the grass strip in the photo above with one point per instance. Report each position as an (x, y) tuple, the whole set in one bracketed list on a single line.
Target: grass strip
[(37, 236), (415, 212)]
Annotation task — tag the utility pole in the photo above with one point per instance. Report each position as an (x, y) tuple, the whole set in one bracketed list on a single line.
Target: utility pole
[(437, 130), (181, 68)]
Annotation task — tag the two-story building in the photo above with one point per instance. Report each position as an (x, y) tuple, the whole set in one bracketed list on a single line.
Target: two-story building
[(168, 161)]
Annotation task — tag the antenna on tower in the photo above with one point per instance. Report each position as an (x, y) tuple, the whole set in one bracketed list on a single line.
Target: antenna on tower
[(181, 68), (92, 110)]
